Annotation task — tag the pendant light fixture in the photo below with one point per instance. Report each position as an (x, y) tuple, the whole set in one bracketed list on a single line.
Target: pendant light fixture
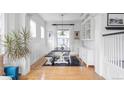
[(62, 31)]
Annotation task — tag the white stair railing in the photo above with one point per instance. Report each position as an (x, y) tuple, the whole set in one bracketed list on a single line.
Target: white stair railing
[(114, 49)]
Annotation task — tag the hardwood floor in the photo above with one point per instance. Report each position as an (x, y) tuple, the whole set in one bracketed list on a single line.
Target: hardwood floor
[(40, 72)]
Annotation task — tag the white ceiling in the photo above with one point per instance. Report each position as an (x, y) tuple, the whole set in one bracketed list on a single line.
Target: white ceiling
[(58, 17)]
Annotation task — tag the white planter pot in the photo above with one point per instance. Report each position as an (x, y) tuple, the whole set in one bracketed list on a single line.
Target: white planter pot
[(24, 65)]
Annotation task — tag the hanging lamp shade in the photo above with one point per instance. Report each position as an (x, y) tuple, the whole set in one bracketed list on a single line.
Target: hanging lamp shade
[(62, 33)]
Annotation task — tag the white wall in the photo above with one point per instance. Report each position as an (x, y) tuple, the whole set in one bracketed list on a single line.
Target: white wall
[(1, 32), (10, 25), (38, 45), (99, 55)]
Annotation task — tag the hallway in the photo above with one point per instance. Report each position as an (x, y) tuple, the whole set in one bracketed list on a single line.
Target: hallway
[(58, 37)]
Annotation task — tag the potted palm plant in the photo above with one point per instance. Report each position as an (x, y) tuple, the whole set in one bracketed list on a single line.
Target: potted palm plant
[(17, 49)]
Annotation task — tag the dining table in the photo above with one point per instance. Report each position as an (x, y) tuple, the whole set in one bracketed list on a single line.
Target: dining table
[(55, 56)]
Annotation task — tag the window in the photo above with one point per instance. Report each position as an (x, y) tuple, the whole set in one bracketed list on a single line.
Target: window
[(42, 32), (63, 39), (33, 28)]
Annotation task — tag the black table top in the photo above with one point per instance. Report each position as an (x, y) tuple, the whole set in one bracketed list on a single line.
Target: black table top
[(59, 50), (51, 54)]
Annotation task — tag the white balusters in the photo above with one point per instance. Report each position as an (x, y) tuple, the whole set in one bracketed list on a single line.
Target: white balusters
[(114, 49)]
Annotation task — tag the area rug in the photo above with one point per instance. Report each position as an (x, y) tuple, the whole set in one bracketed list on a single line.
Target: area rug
[(74, 62)]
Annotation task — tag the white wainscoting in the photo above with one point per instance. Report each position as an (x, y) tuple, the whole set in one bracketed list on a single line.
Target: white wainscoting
[(87, 56)]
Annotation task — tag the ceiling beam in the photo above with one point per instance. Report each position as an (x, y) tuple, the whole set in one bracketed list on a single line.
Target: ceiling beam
[(62, 24)]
